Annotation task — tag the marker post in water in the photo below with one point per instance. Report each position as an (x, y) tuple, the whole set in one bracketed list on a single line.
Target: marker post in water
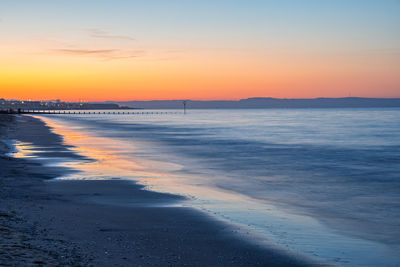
[(184, 106)]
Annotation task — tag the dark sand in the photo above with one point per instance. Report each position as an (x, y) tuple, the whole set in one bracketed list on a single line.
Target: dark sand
[(84, 223)]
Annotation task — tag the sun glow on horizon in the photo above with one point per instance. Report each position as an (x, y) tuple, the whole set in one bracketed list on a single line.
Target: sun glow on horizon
[(207, 55)]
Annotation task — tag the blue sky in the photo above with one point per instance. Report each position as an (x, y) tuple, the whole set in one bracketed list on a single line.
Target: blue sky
[(362, 23), (282, 48)]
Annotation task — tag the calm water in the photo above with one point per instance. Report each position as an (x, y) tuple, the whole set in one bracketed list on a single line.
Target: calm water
[(321, 183)]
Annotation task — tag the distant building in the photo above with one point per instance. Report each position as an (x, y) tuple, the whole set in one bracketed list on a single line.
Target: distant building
[(54, 105)]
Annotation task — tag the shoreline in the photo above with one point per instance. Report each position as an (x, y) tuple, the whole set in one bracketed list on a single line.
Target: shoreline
[(75, 223)]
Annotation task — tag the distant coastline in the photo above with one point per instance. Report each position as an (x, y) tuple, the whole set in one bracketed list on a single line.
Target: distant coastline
[(265, 102), (248, 103)]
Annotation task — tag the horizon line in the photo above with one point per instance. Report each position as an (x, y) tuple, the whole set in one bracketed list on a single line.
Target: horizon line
[(200, 100)]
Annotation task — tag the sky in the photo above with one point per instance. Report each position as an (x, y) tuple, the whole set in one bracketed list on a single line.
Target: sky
[(95, 50)]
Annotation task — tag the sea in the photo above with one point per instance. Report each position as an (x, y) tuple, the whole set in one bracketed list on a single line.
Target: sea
[(319, 183)]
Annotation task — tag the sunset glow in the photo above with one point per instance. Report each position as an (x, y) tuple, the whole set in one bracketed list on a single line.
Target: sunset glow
[(100, 50)]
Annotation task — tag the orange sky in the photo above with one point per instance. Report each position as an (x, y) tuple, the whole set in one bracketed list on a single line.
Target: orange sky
[(192, 75), (230, 60)]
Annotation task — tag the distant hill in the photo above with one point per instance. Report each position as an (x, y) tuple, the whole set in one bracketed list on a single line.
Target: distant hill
[(266, 102)]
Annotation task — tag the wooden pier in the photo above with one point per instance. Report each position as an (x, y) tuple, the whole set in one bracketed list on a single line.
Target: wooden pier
[(86, 112)]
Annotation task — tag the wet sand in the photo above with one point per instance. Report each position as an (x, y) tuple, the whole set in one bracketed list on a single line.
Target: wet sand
[(105, 223)]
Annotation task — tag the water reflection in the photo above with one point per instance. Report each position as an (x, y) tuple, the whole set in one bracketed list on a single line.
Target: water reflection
[(25, 150), (119, 158), (111, 159)]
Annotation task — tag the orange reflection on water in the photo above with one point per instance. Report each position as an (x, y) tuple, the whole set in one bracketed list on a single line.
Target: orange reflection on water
[(109, 158), (25, 150), (113, 158)]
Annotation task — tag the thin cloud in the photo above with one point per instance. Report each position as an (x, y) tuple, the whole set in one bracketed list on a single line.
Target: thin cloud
[(86, 51), (107, 54), (128, 54), (96, 33)]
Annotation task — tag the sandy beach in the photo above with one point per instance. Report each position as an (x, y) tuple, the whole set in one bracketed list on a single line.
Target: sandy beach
[(77, 223)]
